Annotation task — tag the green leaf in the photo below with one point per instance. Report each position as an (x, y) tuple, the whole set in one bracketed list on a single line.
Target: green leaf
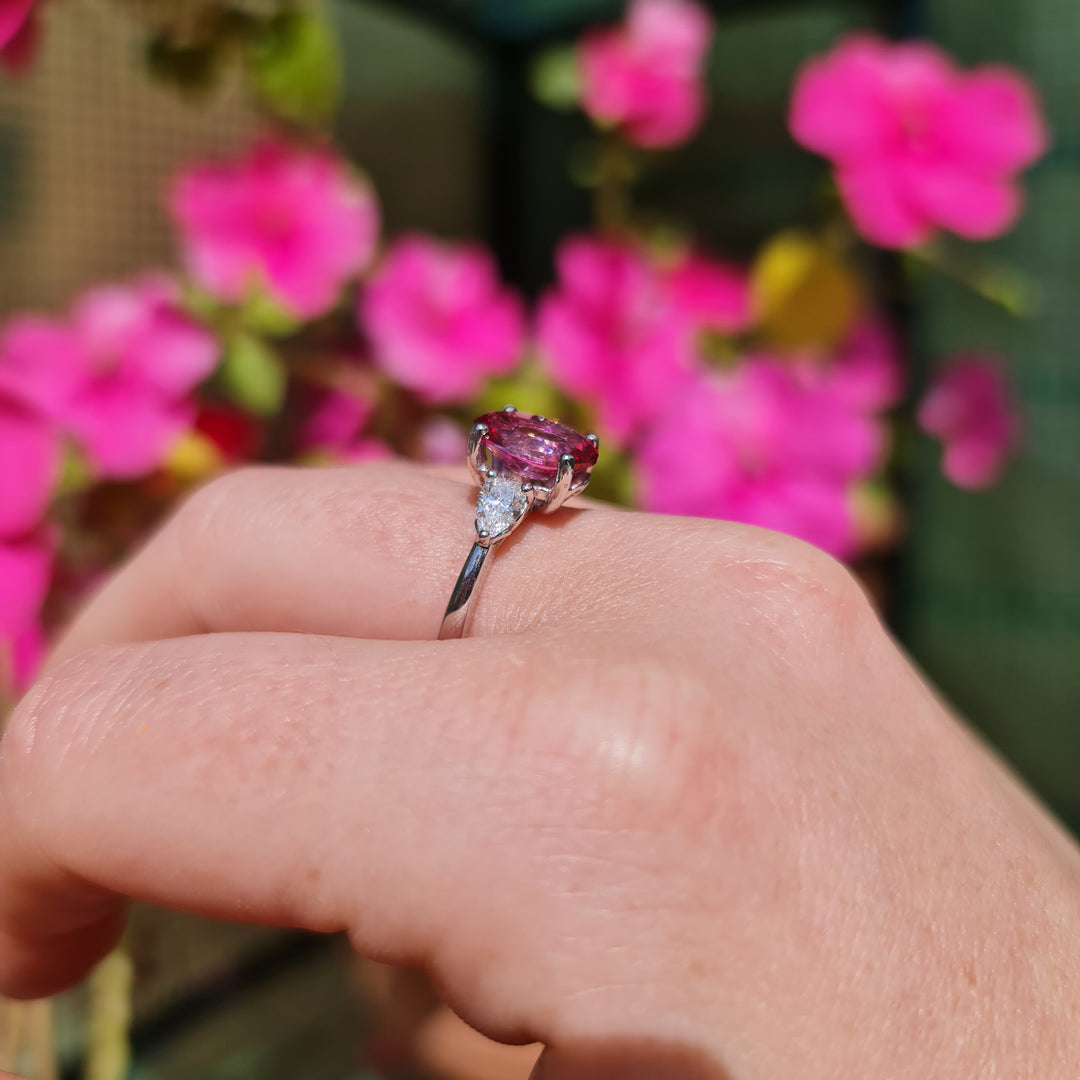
[(76, 472), (613, 479), (261, 314), (556, 78), (254, 375), (199, 303), (528, 389), (295, 66)]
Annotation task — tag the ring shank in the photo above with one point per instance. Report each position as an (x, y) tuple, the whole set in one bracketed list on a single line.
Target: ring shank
[(456, 618)]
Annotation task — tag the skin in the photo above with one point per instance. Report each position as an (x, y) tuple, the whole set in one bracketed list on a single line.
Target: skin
[(679, 807)]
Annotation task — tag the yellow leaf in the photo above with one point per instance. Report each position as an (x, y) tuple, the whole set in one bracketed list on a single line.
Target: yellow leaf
[(807, 295), (194, 457), (879, 518)]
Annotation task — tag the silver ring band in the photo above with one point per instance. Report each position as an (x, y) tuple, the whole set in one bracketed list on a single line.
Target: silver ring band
[(523, 464), (457, 611)]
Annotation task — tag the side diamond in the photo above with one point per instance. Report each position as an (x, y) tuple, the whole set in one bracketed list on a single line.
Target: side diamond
[(500, 506)]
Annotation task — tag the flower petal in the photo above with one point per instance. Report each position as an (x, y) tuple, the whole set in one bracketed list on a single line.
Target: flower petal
[(714, 294), (801, 505), (439, 319), (13, 13), (671, 113), (973, 206), (993, 122), (673, 34), (41, 362), (29, 465), (126, 428), (646, 73), (969, 407), (874, 196), (25, 567), (867, 373), (839, 107), (288, 218)]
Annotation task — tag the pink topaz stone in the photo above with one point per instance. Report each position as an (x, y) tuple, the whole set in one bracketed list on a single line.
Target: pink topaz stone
[(529, 447)]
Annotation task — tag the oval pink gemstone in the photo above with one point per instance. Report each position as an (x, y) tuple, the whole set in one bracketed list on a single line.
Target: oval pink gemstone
[(529, 447)]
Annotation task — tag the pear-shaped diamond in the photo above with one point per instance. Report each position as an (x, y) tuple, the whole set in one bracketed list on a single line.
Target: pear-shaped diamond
[(500, 506)]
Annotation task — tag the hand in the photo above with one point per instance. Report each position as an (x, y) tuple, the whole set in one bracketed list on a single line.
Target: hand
[(679, 806)]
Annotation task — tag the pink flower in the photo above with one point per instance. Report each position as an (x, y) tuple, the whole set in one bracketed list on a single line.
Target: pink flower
[(289, 219), (334, 428), (335, 422), (25, 570), (917, 144), (826, 435), (20, 34), (27, 654), (117, 376), (443, 442), (724, 451), (970, 409), (780, 444), (611, 334), (867, 373), (645, 75), (13, 17), (439, 320), (714, 295), (29, 464), (815, 426), (366, 449)]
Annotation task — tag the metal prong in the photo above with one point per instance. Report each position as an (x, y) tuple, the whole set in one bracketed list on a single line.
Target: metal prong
[(560, 492), (594, 439), (510, 408), (475, 455)]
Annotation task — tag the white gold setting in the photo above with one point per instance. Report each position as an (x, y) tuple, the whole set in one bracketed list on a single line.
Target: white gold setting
[(506, 498)]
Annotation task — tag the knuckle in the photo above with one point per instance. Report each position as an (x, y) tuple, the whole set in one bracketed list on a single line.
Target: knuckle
[(819, 584), (776, 588), (204, 530), (215, 505), (804, 599), (661, 757)]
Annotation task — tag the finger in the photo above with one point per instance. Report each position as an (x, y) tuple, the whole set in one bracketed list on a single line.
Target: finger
[(373, 551), (448, 1048), (425, 797)]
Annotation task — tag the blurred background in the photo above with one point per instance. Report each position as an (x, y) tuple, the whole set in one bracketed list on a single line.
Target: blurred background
[(446, 107)]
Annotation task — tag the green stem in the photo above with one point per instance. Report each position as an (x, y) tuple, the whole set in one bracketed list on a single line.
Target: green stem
[(612, 194), (1006, 286)]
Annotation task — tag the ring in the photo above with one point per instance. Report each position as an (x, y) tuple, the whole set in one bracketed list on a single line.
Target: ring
[(522, 463)]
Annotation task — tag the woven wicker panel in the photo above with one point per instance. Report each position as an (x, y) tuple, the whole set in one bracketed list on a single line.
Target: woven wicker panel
[(991, 597), (87, 143)]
